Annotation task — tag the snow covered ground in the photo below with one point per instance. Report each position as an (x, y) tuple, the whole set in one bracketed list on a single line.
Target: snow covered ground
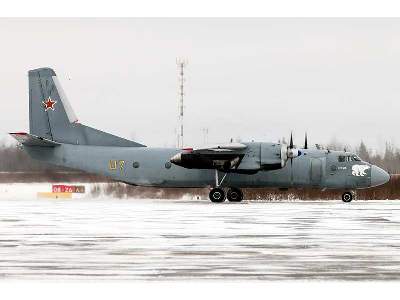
[(21, 191), (95, 238)]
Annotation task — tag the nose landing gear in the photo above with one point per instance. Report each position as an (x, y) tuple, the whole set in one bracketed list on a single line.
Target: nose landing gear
[(347, 197)]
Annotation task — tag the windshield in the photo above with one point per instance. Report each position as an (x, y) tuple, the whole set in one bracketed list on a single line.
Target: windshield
[(348, 158)]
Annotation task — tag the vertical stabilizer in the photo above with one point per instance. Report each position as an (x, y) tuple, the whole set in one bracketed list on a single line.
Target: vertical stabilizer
[(52, 117), (39, 122)]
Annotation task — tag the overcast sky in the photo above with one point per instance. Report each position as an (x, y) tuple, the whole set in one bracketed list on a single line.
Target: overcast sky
[(247, 78)]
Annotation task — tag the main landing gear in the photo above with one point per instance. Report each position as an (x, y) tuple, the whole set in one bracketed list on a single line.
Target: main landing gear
[(218, 195)]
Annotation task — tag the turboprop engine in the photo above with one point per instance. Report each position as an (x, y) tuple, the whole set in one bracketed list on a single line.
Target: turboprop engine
[(248, 158), (224, 157)]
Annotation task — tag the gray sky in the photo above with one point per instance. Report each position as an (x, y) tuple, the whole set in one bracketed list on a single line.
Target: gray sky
[(249, 78)]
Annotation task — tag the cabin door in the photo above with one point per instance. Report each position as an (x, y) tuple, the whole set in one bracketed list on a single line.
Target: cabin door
[(316, 172)]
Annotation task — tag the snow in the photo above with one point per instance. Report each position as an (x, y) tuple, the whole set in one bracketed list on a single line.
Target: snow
[(89, 238)]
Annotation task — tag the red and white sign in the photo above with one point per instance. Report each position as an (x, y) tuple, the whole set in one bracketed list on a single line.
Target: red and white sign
[(62, 188)]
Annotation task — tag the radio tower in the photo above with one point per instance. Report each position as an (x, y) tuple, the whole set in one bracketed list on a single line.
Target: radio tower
[(181, 63)]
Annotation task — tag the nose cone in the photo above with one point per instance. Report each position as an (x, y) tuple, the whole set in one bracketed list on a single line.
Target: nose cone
[(176, 159), (378, 176)]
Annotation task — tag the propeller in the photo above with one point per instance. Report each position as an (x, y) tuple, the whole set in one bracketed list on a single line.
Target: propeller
[(291, 141), (288, 152), (291, 152), (305, 141)]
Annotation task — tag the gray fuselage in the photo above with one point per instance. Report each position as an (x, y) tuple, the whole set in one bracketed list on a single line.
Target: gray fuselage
[(146, 166)]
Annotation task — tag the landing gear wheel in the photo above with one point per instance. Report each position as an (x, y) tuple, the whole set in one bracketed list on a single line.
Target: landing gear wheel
[(347, 197), (217, 195), (234, 195)]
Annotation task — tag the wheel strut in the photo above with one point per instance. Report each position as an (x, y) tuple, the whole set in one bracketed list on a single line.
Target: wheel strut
[(217, 182)]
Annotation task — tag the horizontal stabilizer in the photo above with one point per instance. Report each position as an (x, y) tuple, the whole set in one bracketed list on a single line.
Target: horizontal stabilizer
[(33, 140)]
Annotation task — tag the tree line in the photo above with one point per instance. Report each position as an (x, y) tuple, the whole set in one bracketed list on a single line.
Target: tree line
[(389, 160)]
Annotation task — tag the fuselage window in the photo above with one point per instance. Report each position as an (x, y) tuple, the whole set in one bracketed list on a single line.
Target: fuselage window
[(341, 158)]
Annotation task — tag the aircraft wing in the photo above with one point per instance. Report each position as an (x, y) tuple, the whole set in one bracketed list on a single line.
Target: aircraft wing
[(220, 148), (33, 140)]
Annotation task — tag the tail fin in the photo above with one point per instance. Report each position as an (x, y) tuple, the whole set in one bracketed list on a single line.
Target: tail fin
[(51, 116)]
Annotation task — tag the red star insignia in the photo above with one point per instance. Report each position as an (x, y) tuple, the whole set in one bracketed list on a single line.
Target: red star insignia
[(49, 104)]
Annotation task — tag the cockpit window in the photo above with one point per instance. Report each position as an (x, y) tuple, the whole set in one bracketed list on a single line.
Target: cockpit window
[(348, 158)]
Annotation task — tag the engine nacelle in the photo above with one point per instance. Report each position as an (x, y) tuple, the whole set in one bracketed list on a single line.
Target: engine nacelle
[(250, 159), (190, 160)]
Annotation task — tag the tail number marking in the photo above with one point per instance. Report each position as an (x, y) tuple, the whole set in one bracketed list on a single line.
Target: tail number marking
[(113, 165)]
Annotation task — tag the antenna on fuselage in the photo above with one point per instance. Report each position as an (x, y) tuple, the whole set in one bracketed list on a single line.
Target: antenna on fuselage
[(205, 136)]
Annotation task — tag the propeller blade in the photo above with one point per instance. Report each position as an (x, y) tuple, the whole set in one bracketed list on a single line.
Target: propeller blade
[(291, 141), (305, 142), (291, 171)]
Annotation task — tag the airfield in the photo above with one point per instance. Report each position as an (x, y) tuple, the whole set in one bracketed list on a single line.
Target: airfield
[(143, 239)]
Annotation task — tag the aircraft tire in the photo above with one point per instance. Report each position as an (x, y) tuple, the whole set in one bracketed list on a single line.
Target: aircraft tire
[(217, 195), (234, 195), (347, 197)]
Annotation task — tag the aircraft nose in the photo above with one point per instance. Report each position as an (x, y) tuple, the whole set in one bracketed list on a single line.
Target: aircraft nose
[(378, 176)]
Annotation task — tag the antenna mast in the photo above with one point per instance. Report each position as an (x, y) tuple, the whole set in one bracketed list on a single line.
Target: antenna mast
[(181, 63)]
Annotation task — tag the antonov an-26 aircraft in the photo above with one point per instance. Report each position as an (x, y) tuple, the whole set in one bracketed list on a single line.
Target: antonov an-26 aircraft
[(58, 138)]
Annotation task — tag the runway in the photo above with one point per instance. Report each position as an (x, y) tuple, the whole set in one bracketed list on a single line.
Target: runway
[(186, 240)]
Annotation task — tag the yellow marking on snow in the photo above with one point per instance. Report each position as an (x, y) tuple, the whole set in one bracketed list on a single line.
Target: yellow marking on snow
[(54, 195)]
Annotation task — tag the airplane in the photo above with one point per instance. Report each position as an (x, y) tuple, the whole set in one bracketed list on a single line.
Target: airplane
[(56, 137)]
